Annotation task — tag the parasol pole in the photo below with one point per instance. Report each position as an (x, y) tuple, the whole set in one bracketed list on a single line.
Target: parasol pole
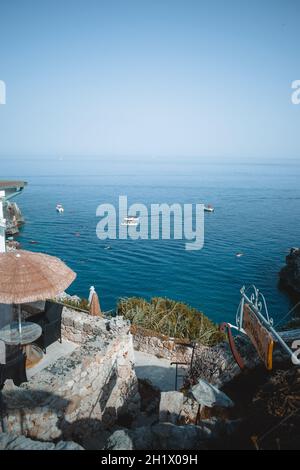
[(20, 319), (2, 224)]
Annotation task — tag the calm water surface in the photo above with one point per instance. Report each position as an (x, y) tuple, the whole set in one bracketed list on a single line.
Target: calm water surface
[(257, 212)]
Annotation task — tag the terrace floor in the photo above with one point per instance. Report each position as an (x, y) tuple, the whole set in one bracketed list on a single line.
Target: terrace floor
[(158, 371), (54, 352)]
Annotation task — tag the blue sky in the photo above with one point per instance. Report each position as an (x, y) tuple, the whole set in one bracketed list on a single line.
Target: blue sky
[(196, 79)]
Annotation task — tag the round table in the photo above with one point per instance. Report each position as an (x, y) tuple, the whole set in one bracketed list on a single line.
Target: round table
[(30, 332)]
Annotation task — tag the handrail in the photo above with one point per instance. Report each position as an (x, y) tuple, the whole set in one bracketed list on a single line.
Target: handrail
[(267, 322), (193, 345), (258, 305)]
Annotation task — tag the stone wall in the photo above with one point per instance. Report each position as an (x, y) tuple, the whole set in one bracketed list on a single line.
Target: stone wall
[(80, 393), (162, 346), (214, 364)]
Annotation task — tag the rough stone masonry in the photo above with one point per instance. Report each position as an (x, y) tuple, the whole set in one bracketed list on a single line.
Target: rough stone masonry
[(82, 392)]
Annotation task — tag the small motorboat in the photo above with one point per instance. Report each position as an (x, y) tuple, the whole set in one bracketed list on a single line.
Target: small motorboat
[(239, 255), (59, 208), (128, 224), (209, 208), (130, 220)]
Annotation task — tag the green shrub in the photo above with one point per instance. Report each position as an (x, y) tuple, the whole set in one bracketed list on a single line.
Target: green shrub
[(170, 318)]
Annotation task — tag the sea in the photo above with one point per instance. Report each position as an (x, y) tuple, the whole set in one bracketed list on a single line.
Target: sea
[(257, 213)]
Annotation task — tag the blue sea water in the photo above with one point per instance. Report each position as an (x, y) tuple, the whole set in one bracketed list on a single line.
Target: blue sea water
[(257, 212)]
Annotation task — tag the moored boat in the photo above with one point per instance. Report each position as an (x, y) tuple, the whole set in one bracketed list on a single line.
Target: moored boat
[(59, 208), (130, 220)]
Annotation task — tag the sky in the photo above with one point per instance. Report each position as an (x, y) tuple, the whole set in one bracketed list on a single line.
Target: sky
[(150, 78)]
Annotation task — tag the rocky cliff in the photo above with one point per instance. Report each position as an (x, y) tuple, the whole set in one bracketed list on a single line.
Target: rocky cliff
[(14, 218), (290, 274)]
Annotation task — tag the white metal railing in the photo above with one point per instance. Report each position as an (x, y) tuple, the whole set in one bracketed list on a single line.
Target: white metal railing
[(257, 302)]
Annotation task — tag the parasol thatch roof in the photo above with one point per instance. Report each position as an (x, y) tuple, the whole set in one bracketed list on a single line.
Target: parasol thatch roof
[(28, 277)]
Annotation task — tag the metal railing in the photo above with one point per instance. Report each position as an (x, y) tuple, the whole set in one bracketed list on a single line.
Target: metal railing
[(177, 376), (257, 302)]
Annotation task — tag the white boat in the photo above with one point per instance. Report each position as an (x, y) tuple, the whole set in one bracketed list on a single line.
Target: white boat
[(239, 255), (209, 208), (130, 220), (59, 208), (132, 223)]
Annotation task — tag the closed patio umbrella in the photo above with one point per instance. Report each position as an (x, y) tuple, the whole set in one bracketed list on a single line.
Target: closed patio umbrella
[(95, 308), (29, 277)]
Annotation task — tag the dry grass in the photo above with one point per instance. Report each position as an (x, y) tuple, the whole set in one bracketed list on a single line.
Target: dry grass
[(170, 318)]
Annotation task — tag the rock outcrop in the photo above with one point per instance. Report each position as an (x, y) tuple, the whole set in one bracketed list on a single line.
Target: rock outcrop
[(168, 436), (217, 365), (290, 274), (10, 441), (170, 407), (177, 408), (14, 218), (208, 395)]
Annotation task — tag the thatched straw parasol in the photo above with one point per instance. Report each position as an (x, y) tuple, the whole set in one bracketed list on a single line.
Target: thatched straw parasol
[(28, 277)]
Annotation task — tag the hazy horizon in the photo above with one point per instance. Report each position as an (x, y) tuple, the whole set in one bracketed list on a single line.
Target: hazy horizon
[(178, 80)]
